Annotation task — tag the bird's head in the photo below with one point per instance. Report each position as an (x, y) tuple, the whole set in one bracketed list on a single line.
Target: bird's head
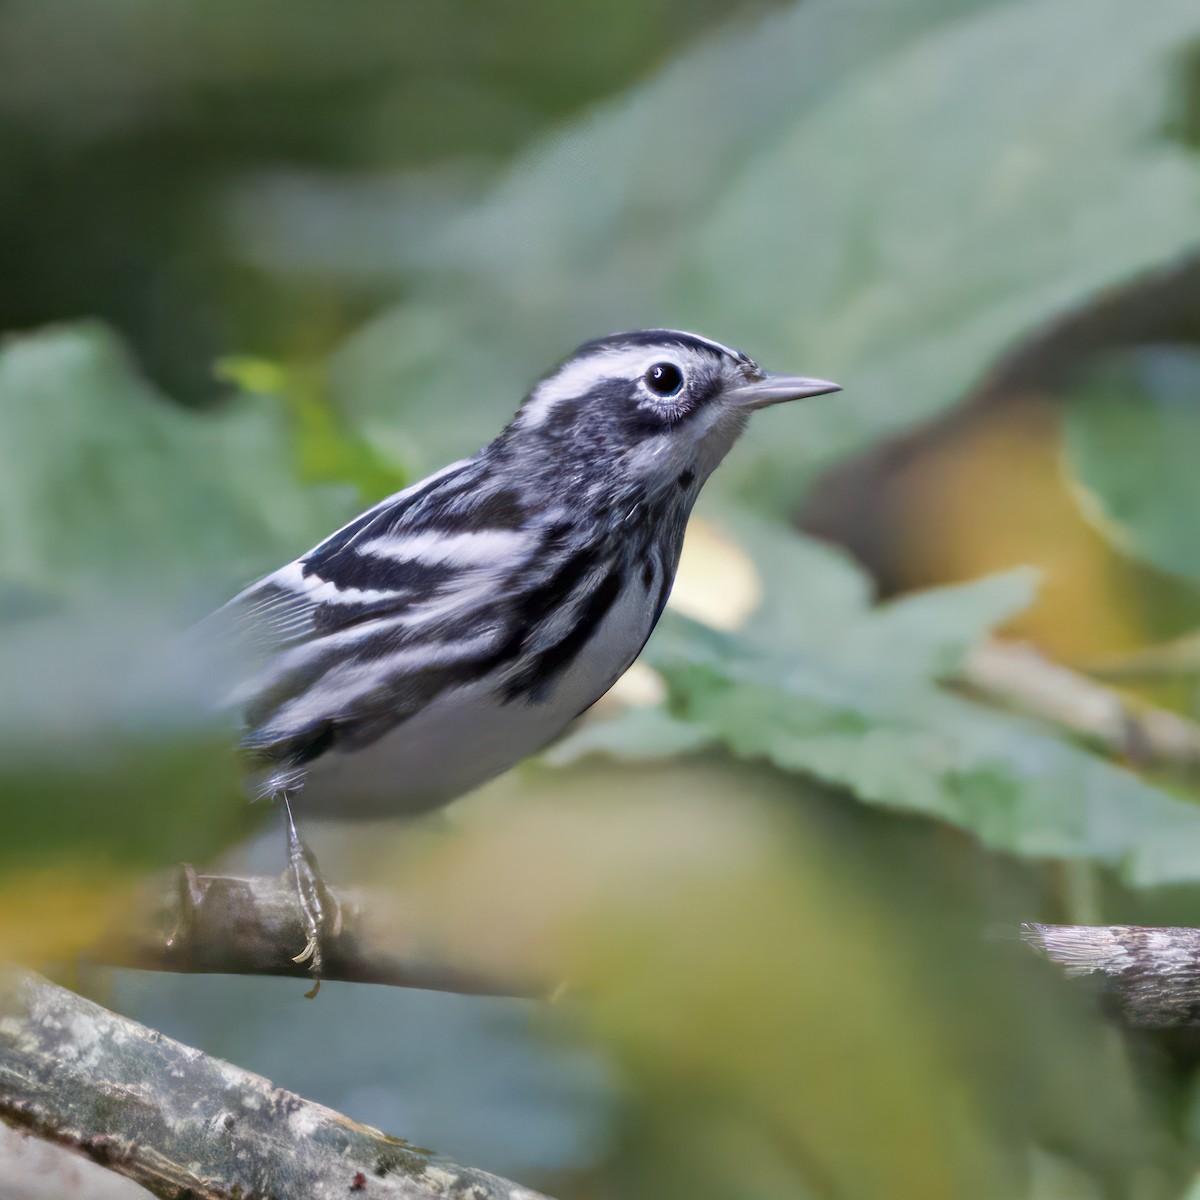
[(655, 407)]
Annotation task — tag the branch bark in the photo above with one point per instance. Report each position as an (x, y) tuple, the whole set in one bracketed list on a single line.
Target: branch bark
[(225, 925), (252, 926), (1018, 677), (1151, 976), (182, 1124)]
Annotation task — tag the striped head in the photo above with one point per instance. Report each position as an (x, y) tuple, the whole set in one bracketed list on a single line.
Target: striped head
[(654, 406)]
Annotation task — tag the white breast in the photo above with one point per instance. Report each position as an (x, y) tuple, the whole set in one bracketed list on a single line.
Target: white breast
[(468, 736)]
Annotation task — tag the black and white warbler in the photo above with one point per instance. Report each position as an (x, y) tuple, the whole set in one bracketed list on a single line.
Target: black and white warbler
[(460, 625)]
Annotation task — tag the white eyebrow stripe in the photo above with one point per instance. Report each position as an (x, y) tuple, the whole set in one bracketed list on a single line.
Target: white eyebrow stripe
[(577, 378), (476, 548)]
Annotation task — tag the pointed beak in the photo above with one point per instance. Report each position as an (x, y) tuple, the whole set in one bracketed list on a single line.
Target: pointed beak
[(779, 389)]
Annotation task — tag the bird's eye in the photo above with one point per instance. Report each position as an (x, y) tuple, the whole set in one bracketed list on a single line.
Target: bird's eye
[(664, 379)]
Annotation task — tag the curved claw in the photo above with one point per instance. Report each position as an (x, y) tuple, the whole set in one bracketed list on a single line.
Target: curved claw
[(309, 951)]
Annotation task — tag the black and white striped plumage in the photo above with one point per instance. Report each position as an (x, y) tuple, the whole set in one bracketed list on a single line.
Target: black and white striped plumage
[(460, 625)]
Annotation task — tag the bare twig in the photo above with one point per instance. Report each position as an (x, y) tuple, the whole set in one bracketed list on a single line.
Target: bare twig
[(1018, 677), (1173, 660), (220, 924), (1151, 975), (183, 1124)]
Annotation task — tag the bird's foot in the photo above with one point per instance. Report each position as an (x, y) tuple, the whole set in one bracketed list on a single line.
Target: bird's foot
[(320, 912)]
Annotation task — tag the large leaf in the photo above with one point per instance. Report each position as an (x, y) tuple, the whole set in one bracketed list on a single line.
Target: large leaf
[(1132, 437), (817, 600), (996, 177), (900, 193), (588, 230), (105, 484), (861, 706)]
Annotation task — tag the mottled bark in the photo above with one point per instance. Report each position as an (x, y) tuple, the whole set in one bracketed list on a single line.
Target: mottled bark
[(1151, 976), (220, 924), (182, 1124)]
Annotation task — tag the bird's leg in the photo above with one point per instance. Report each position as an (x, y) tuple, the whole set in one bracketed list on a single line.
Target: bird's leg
[(321, 913)]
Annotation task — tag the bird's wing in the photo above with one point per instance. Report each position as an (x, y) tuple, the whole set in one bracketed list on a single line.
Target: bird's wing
[(408, 599), (344, 579)]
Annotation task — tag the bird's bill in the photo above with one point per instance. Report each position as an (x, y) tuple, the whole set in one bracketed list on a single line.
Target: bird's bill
[(779, 389)]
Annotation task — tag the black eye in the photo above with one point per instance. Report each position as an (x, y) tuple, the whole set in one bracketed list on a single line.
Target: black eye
[(664, 379)]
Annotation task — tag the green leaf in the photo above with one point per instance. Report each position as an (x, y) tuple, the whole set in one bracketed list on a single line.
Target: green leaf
[(886, 206), (1132, 436), (854, 700), (592, 230), (927, 635), (326, 451), (818, 601), (920, 749), (104, 483), (939, 241), (809, 588)]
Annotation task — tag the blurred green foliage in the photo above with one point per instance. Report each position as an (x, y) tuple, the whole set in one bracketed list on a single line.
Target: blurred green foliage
[(891, 211), (784, 924), (1132, 434), (129, 129), (105, 483), (852, 695)]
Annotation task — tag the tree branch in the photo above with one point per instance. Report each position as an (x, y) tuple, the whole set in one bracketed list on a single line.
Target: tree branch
[(1018, 677), (1150, 975), (220, 924), (182, 1124), (228, 925)]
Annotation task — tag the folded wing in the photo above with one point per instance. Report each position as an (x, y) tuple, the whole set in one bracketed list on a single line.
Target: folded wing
[(406, 601)]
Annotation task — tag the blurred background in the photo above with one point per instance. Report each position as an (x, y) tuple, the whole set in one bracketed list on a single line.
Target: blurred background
[(262, 264)]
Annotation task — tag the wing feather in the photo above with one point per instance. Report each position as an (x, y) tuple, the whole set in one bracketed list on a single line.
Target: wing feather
[(322, 590), (397, 605)]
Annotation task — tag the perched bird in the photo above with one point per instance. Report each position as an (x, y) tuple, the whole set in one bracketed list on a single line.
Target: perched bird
[(460, 625)]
